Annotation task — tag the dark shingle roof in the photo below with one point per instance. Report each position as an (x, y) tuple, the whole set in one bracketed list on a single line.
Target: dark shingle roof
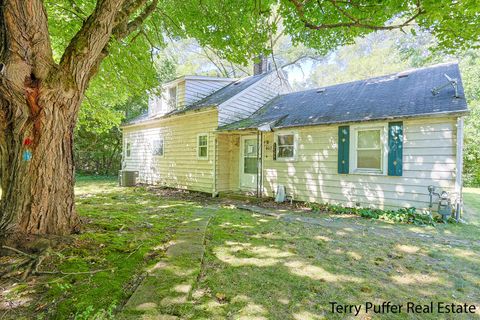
[(212, 100), (139, 119), (399, 95)]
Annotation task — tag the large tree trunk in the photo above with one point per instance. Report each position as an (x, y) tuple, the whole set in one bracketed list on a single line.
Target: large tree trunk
[(38, 110), (38, 195), (39, 103)]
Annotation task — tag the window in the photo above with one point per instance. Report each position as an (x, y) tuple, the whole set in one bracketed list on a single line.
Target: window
[(250, 156), (202, 146), (286, 146), (369, 150), (172, 98), (158, 146), (127, 149)]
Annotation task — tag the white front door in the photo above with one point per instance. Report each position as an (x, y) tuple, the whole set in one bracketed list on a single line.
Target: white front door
[(248, 162)]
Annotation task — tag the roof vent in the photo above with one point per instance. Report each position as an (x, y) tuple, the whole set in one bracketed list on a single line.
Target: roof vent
[(404, 74), (321, 90), (451, 81)]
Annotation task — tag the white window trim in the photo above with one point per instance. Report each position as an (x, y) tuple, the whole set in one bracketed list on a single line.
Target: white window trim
[(163, 144), (384, 148), (176, 98), (295, 145), (127, 143), (198, 146)]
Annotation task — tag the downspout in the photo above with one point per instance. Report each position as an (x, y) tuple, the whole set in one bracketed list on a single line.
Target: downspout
[(258, 163), (215, 155), (260, 176), (459, 171), (261, 164)]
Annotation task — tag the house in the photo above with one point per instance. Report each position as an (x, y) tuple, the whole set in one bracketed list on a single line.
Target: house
[(378, 142)]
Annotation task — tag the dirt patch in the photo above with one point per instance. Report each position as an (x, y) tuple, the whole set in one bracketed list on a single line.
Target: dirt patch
[(226, 200)]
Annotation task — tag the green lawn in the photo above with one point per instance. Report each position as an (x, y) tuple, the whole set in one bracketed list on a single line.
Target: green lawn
[(255, 267), (471, 198)]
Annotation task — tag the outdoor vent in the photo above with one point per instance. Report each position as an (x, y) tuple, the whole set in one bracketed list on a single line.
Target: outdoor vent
[(404, 73), (127, 178)]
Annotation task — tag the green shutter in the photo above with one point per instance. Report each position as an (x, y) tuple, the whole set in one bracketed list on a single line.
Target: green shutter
[(343, 148), (395, 148)]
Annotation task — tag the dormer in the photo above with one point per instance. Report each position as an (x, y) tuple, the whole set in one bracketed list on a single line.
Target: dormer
[(184, 91), (166, 99)]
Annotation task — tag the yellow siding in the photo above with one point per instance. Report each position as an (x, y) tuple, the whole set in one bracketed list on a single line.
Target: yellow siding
[(179, 167), (181, 95), (227, 162), (429, 159)]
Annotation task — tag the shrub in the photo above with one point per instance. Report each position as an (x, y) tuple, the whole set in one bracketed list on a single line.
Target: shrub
[(403, 215)]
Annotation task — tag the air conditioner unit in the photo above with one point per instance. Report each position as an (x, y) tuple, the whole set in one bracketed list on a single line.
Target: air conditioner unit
[(127, 178)]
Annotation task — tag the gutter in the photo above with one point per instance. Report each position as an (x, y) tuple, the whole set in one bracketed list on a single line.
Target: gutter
[(459, 170), (215, 155), (169, 116), (423, 115)]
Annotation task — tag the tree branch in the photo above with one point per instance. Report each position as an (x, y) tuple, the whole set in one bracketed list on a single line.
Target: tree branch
[(77, 9), (298, 60), (87, 46), (356, 22), (26, 39), (140, 19), (220, 67), (73, 273), (128, 9), (87, 49), (19, 252), (123, 26), (74, 12)]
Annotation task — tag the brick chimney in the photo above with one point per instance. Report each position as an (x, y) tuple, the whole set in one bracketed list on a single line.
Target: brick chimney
[(260, 65)]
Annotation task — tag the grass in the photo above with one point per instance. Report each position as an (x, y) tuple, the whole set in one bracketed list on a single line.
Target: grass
[(255, 267), (122, 228), (471, 198), (268, 269), (117, 238)]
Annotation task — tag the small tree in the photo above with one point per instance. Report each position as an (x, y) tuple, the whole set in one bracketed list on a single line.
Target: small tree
[(41, 89)]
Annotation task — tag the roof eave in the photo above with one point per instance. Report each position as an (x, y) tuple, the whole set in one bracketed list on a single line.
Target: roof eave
[(193, 77), (167, 116), (422, 115), (433, 114)]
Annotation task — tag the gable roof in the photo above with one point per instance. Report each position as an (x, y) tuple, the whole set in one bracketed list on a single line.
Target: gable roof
[(214, 99), (404, 94), (196, 77), (220, 96)]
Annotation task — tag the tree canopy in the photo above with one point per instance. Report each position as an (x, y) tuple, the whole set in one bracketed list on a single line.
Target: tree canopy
[(52, 51), (238, 30), (184, 37)]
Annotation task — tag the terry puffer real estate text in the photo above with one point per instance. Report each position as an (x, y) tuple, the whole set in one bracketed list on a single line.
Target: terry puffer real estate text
[(386, 307)]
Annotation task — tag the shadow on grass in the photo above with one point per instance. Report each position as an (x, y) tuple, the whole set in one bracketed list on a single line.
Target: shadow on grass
[(292, 271)]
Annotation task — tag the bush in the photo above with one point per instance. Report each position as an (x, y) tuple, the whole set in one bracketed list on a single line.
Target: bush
[(404, 215)]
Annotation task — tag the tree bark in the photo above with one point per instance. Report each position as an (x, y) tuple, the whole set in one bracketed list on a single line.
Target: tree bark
[(38, 195), (39, 104), (37, 118)]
